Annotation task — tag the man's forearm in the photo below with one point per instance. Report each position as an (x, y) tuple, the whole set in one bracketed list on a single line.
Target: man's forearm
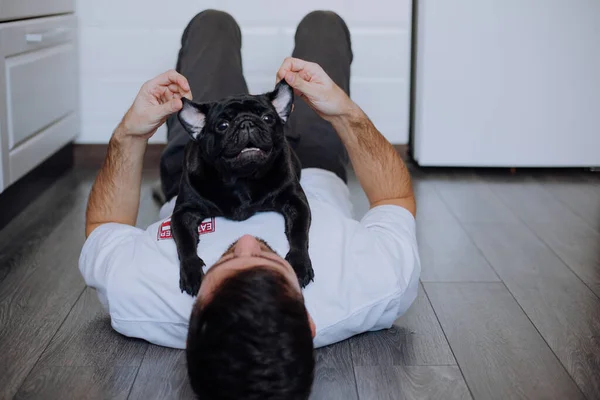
[(115, 196), (378, 167)]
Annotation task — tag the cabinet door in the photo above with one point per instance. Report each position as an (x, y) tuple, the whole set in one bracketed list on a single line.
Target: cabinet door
[(19, 9), (507, 83), (39, 93), (40, 90), (31, 153)]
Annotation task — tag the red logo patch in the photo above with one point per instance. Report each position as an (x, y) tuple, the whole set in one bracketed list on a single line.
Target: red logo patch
[(165, 232)]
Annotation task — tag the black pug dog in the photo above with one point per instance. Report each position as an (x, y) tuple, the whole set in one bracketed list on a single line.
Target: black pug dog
[(237, 164)]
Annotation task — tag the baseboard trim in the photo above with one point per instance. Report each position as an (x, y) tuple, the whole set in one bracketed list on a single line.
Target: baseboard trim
[(92, 155), (23, 192)]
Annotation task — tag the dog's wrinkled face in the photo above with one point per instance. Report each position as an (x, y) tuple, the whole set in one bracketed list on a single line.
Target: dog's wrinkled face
[(240, 134)]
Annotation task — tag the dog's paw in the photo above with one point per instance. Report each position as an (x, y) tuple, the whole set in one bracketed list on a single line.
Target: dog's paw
[(190, 276), (302, 265)]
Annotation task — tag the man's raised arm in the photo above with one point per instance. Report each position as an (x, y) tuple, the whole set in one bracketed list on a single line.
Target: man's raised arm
[(115, 195), (379, 169)]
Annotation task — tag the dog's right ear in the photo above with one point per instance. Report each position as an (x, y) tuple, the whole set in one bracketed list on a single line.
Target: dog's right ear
[(193, 117)]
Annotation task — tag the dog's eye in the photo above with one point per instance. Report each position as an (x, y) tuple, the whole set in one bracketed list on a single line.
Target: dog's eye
[(268, 118), (223, 125)]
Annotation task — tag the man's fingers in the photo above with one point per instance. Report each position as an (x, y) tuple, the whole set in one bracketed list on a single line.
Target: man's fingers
[(176, 105), (170, 77), (164, 93), (187, 95), (292, 64), (297, 81), (177, 90), (170, 107)]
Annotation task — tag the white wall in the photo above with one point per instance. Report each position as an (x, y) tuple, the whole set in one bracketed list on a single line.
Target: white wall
[(124, 43)]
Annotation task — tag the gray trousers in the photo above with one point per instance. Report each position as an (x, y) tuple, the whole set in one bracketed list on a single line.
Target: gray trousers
[(210, 58)]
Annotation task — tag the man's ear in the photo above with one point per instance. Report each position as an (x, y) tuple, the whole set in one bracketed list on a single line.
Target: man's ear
[(193, 117), (282, 99)]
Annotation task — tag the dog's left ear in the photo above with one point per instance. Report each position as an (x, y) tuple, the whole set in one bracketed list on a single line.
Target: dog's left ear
[(193, 117), (282, 99)]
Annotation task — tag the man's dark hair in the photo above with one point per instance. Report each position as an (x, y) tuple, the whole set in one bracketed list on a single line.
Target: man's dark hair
[(251, 340)]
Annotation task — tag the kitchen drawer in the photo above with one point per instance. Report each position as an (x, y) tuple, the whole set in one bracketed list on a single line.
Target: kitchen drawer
[(34, 34), (40, 89), (29, 154), (18, 9)]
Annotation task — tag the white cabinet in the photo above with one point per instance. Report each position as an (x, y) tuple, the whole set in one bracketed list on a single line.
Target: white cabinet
[(39, 92), (20, 9), (507, 83)]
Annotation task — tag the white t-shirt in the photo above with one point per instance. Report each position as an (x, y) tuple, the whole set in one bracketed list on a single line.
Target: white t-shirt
[(366, 272)]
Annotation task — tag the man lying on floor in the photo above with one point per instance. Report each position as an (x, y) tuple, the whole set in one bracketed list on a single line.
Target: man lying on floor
[(252, 329)]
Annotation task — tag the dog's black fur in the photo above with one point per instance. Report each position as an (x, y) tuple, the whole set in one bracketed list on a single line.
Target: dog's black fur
[(219, 180)]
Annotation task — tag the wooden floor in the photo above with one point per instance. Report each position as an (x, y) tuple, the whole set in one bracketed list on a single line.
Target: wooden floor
[(509, 306)]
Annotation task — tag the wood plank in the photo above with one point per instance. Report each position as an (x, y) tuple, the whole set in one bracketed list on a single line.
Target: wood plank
[(580, 194), (18, 196), (411, 382), (473, 201), (334, 373), (38, 292), (565, 232), (162, 375), (577, 245), (65, 383), (449, 255), (86, 344), (529, 201), (41, 217), (562, 307), (430, 206), (499, 351), (47, 284), (86, 339), (415, 339)]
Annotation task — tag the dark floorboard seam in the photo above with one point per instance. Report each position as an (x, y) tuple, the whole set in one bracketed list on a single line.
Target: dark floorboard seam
[(446, 336), (354, 371), (569, 207), (137, 372), (543, 241), (50, 341)]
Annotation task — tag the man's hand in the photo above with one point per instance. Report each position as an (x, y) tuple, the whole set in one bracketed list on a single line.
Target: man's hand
[(157, 99), (380, 171), (316, 88)]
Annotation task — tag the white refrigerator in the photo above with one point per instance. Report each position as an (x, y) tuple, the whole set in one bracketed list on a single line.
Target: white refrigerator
[(507, 83)]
